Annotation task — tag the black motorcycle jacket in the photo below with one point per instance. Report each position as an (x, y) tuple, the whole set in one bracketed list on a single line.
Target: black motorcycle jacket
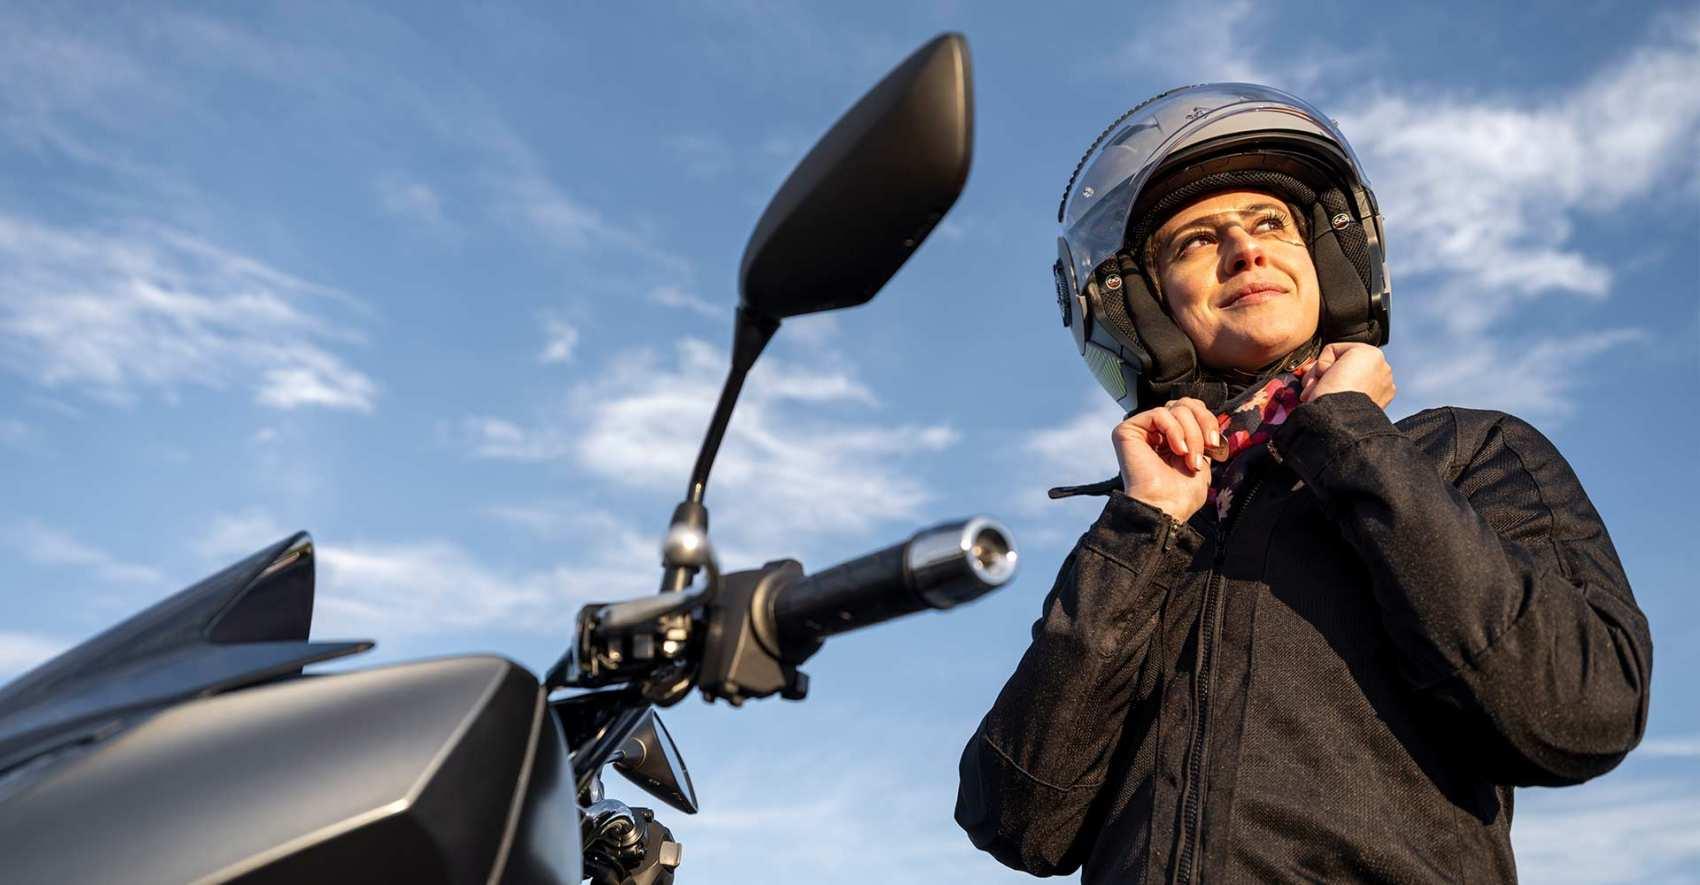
[(1342, 681)]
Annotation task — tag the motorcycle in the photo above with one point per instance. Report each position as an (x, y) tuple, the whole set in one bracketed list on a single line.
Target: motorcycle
[(187, 743)]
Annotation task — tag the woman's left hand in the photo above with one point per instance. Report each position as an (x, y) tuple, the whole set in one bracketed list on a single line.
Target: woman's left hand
[(1342, 367)]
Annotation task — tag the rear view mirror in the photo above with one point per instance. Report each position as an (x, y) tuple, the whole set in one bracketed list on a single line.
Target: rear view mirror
[(650, 759), (869, 191)]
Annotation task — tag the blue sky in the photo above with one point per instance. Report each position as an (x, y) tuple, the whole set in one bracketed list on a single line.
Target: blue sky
[(451, 289)]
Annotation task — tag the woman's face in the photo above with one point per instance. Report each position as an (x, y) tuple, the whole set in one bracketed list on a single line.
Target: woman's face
[(1236, 276)]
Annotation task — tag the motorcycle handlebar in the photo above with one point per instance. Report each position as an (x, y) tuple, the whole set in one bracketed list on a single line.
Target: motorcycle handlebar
[(938, 568)]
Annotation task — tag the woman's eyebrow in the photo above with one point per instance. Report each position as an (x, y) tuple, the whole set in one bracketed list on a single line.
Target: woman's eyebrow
[(1214, 219)]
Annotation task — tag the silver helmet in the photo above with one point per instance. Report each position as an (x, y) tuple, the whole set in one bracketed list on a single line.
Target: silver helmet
[(1175, 148)]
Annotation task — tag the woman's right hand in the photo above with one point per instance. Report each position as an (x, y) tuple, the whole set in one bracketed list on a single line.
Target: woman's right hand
[(1161, 453)]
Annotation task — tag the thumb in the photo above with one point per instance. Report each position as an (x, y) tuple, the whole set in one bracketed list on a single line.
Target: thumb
[(1326, 358)]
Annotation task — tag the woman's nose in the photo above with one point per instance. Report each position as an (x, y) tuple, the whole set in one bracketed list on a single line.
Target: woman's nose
[(1240, 251)]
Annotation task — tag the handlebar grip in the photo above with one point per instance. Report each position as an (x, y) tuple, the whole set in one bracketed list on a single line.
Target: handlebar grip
[(939, 568)]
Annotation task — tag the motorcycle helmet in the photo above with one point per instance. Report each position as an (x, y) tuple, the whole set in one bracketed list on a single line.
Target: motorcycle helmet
[(1162, 155)]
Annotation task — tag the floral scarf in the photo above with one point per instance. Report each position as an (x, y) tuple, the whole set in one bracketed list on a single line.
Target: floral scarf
[(1247, 422)]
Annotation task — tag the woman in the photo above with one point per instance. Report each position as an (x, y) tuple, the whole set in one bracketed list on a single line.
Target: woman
[(1302, 642)]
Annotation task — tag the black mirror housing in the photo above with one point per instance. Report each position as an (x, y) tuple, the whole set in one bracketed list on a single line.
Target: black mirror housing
[(869, 191)]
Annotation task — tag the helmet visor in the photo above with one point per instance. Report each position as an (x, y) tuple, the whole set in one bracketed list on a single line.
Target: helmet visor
[(1095, 211)]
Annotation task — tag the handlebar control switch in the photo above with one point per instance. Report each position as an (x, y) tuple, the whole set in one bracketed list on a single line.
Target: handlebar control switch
[(740, 658)]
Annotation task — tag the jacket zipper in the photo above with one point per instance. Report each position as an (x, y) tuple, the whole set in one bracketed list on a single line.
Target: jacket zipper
[(1192, 803)]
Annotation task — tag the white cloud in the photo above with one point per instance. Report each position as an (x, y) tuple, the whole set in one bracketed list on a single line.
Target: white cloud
[(674, 296), (21, 651), (559, 519), (1222, 47), (408, 198), (1616, 830), (387, 589), (1075, 452), (1081, 446), (1482, 197), (561, 337), (235, 535), (1524, 376), (786, 472), (48, 546), (503, 440), (151, 308), (781, 464), (1684, 746)]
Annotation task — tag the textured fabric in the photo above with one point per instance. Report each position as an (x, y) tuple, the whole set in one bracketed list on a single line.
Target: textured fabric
[(1403, 623)]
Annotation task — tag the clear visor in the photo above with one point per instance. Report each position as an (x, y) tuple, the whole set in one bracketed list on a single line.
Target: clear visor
[(1095, 211)]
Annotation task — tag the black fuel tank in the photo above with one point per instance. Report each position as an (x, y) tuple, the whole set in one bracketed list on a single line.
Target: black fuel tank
[(437, 771)]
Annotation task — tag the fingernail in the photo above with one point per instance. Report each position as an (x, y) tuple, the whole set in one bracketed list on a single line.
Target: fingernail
[(1199, 461), (1215, 438)]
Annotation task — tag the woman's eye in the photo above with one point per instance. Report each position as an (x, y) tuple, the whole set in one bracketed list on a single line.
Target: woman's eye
[(1271, 223), (1192, 242)]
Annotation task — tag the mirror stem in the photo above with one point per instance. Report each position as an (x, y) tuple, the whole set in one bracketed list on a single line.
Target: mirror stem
[(751, 337)]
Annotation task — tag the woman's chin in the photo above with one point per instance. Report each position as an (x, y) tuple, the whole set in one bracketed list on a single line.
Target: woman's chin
[(1256, 356)]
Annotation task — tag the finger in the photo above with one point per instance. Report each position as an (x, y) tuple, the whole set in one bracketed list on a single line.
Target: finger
[(1207, 420), (1194, 435), (1173, 433)]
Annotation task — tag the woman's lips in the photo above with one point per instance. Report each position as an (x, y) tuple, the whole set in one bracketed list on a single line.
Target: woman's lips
[(1256, 294)]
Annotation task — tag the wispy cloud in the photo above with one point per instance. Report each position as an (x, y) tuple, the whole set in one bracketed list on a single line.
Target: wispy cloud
[(1221, 47), (1074, 452), (675, 296), (1483, 196), (21, 651), (785, 462), (147, 308), (45, 545), (1616, 830), (560, 340), (386, 589), (503, 440), (405, 197), (1681, 746), (234, 535)]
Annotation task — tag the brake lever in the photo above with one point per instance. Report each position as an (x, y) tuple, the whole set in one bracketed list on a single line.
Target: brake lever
[(620, 616)]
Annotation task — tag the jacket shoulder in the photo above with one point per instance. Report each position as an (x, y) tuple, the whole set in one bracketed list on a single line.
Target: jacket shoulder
[(1455, 436)]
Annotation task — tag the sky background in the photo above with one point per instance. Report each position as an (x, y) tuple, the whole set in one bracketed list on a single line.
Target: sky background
[(451, 289)]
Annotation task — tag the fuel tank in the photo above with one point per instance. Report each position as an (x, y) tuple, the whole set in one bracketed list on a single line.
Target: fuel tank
[(187, 744), (447, 770)]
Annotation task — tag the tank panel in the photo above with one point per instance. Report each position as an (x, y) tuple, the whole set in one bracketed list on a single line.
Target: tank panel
[(417, 772)]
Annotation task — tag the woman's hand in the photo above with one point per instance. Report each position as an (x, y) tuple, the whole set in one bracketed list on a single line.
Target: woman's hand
[(1161, 453), (1341, 367)]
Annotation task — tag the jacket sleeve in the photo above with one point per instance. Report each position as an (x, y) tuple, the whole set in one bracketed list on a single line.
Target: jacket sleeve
[(1031, 771), (1500, 591)]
